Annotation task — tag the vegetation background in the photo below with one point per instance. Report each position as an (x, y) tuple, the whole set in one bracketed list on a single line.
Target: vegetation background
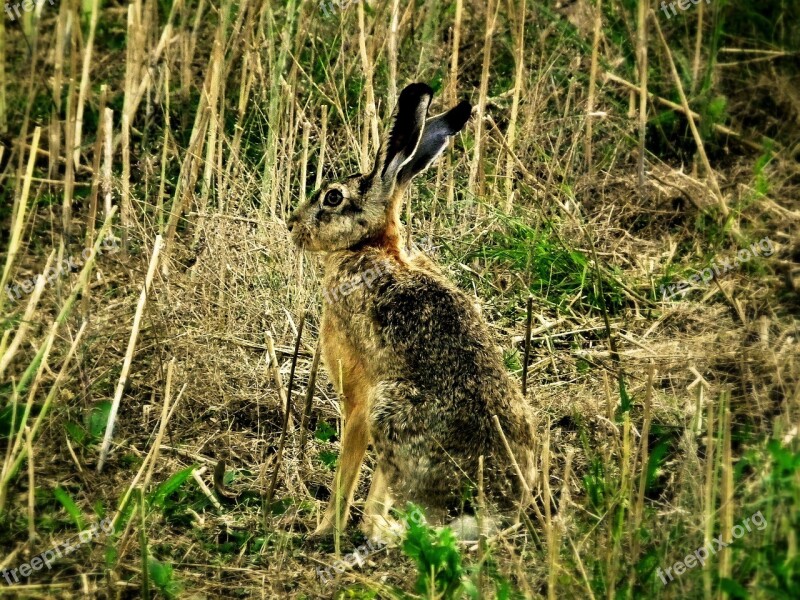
[(615, 147)]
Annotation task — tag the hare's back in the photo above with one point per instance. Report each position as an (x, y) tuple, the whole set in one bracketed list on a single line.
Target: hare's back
[(439, 338)]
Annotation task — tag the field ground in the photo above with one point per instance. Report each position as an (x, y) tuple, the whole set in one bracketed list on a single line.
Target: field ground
[(668, 416)]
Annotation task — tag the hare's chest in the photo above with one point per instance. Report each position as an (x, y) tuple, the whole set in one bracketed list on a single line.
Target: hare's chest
[(346, 362)]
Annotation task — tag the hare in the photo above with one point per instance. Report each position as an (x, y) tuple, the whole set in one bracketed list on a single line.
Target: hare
[(413, 362)]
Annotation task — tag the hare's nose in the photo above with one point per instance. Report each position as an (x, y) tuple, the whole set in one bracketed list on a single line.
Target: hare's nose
[(290, 223)]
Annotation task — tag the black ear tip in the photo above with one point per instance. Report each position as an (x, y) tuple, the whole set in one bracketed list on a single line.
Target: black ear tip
[(458, 116), (414, 91)]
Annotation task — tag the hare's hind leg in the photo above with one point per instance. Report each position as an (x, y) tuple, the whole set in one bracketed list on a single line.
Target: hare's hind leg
[(376, 524)]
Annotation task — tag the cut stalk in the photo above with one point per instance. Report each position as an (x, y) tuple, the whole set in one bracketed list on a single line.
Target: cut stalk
[(451, 186), (641, 61), (84, 87), (598, 20), (476, 182), (519, 59)]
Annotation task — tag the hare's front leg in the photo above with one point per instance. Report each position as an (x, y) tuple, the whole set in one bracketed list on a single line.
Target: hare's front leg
[(354, 444)]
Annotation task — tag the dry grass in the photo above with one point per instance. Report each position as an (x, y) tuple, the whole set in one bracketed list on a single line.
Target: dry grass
[(655, 415)]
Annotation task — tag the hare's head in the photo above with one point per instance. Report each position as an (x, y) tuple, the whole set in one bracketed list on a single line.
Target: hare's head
[(363, 209)]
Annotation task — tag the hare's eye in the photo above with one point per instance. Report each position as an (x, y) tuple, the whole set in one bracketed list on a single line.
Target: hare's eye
[(333, 198)]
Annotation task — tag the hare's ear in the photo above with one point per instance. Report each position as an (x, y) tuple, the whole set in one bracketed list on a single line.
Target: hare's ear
[(434, 140), (405, 133)]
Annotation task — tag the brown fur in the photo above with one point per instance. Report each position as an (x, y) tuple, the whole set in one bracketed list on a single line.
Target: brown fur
[(421, 375)]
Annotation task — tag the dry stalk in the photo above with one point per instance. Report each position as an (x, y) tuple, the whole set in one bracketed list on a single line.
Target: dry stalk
[(304, 160), (679, 108), (481, 518), (528, 497), (10, 351), (54, 130), (162, 426), (197, 475), (164, 156), (550, 525), (727, 501), (96, 155), (312, 380), (638, 507), (453, 86), (323, 132), (276, 467), (69, 170), (108, 157), (698, 47), (709, 490), (701, 150), (31, 487), (641, 62), (519, 60), (275, 371), (19, 216), (598, 21), (476, 182), (84, 87), (125, 210), (371, 117), (3, 80), (126, 365), (527, 351), (391, 96), (145, 463)]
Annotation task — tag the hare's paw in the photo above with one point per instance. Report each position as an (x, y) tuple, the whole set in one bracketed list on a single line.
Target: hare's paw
[(383, 530), (326, 528), (323, 530), (467, 529)]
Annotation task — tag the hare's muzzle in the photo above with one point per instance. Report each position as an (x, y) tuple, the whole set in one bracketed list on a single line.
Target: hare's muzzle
[(296, 231)]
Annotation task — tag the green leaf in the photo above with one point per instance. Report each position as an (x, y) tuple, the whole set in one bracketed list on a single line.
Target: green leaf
[(159, 496), (625, 401), (6, 416), (655, 460), (162, 575), (716, 108), (76, 432), (70, 506), (98, 419), (111, 557), (280, 506), (733, 589), (436, 556), (329, 458), (324, 432)]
